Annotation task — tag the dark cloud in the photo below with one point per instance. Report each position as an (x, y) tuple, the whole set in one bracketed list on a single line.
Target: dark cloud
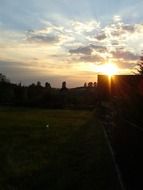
[(99, 48), (117, 32), (126, 55), (43, 38), (10, 64), (81, 50), (129, 28), (101, 37), (115, 42), (91, 58), (126, 64), (35, 59), (87, 50)]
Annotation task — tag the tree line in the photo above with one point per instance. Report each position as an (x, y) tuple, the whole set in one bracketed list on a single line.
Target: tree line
[(36, 95)]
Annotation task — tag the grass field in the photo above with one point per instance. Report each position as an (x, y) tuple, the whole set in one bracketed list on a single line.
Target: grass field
[(70, 153)]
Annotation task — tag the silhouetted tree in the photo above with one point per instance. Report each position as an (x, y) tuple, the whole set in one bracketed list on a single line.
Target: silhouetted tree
[(140, 65), (6, 90), (38, 83), (90, 84), (64, 86), (21, 95), (19, 84), (95, 84), (3, 78), (47, 85), (32, 85)]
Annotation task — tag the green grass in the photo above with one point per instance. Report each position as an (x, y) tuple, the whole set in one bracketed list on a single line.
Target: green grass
[(71, 153)]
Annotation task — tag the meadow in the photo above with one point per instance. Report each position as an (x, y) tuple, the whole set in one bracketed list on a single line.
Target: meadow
[(53, 149)]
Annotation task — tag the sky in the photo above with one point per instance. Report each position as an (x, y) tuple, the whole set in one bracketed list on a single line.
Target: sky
[(68, 40)]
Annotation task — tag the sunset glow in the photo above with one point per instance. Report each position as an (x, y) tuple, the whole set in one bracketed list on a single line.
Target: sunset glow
[(52, 41), (110, 69)]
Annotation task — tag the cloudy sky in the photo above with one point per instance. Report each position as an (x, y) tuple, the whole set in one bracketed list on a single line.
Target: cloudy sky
[(56, 40)]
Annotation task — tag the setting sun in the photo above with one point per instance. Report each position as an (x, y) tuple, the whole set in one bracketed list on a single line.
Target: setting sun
[(109, 69)]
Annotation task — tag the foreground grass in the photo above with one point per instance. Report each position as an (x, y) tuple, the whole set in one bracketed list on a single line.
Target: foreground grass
[(70, 153)]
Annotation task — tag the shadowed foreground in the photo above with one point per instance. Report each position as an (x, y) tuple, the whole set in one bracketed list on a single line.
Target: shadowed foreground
[(71, 153)]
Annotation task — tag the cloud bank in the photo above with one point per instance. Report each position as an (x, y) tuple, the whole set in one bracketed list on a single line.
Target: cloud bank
[(71, 48)]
